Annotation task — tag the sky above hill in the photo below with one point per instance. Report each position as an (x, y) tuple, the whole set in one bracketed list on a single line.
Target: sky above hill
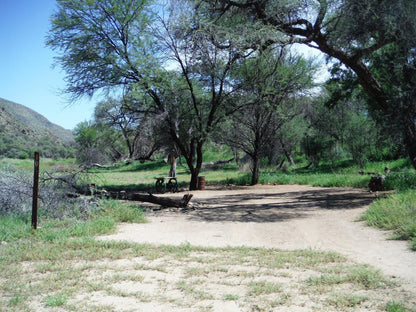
[(26, 73)]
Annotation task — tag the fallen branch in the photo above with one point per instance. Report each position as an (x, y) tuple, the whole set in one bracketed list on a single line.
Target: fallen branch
[(162, 201), (218, 162), (99, 166)]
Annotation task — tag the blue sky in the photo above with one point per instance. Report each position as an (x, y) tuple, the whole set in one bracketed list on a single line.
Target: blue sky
[(26, 73)]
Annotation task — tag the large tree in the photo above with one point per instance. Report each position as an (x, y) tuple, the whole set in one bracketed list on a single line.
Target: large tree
[(201, 86), (356, 33), (170, 57)]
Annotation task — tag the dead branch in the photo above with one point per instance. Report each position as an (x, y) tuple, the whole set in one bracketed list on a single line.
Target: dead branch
[(162, 201), (218, 162)]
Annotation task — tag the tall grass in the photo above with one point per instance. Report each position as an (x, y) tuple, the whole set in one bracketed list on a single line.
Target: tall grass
[(110, 212), (396, 212)]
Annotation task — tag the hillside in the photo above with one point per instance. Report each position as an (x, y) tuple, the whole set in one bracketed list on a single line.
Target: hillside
[(22, 131)]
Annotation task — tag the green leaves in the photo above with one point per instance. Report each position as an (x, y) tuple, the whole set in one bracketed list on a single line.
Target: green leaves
[(102, 44)]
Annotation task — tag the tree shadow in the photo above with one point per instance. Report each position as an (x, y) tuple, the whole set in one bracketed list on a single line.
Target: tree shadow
[(277, 207)]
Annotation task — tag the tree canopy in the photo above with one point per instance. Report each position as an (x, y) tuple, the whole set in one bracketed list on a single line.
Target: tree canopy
[(355, 33), (188, 68)]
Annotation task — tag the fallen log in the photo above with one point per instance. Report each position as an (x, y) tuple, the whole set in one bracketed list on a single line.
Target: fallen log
[(216, 163), (162, 201)]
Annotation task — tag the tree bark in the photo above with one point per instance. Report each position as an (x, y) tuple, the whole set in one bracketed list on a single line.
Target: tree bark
[(287, 153)]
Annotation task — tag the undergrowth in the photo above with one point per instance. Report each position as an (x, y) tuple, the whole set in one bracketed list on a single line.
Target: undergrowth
[(396, 212), (108, 214)]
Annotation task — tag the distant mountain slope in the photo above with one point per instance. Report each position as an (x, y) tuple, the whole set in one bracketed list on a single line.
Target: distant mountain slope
[(22, 130)]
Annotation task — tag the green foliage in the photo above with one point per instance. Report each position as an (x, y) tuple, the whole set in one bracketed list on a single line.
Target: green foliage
[(23, 155), (400, 181), (97, 143)]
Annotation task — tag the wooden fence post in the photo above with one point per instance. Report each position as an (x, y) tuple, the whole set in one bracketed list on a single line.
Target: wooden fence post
[(35, 192)]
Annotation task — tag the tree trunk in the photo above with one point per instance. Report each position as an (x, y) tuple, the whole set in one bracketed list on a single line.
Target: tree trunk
[(197, 169), (287, 153), (194, 180), (172, 160), (255, 170), (410, 140)]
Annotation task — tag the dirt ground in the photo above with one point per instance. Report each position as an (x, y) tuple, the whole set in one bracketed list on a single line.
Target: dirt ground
[(287, 217), (315, 258)]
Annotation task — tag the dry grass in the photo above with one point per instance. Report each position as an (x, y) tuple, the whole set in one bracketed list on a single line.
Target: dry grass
[(97, 276)]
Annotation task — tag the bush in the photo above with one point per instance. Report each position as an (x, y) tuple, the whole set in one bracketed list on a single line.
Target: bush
[(23, 155), (400, 181), (15, 191), (16, 194)]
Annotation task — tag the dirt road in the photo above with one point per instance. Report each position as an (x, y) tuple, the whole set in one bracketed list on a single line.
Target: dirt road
[(283, 216)]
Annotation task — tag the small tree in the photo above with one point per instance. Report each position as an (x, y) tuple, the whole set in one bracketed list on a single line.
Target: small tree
[(271, 82), (114, 114)]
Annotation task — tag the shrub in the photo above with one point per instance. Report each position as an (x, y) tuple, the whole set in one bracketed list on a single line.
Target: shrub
[(400, 181), (16, 192), (23, 155)]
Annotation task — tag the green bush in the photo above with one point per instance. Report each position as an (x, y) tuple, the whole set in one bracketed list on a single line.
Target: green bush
[(400, 181), (23, 155)]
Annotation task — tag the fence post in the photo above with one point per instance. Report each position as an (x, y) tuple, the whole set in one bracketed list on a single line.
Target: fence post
[(35, 192)]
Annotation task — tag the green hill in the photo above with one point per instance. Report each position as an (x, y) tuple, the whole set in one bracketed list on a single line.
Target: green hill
[(23, 131)]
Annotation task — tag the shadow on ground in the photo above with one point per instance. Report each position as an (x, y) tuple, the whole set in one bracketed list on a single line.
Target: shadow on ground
[(275, 207)]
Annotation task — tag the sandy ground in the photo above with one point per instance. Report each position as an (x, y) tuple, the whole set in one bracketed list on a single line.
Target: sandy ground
[(285, 217)]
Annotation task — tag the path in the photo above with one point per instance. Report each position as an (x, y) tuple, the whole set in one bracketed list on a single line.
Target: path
[(285, 217)]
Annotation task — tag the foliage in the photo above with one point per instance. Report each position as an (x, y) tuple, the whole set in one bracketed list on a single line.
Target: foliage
[(97, 144), (134, 44), (400, 181), (344, 128), (14, 145), (272, 84), (396, 307), (374, 40)]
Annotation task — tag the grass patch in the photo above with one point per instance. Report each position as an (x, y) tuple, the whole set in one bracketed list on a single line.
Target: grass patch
[(14, 227), (396, 307), (258, 288), (360, 275), (56, 300), (346, 300), (396, 212)]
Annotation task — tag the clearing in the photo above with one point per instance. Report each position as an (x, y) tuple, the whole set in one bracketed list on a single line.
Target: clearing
[(286, 217), (263, 248)]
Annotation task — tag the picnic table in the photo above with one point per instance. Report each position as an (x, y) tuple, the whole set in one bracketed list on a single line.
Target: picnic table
[(164, 184)]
